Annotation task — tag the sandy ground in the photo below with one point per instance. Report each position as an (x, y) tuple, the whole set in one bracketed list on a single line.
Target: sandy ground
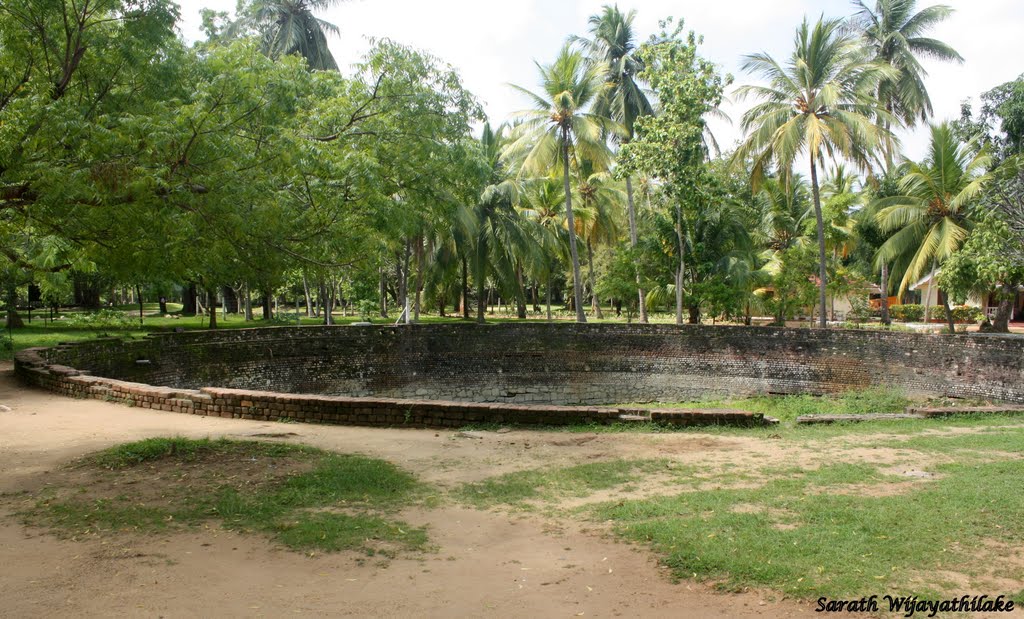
[(486, 564)]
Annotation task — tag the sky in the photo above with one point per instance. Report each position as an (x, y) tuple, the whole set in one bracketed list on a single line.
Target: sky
[(494, 43)]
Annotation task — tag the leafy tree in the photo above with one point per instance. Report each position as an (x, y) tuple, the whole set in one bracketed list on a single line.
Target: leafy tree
[(820, 103), (561, 130), (670, 146)]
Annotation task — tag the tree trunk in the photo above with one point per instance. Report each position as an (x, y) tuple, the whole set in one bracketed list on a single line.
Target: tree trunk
[(403, 284), (465, 288), (309, 299), (1001, 324), (682, 264), (886, 319), (138, 293), (949, 312), (549, 297), (577, 285), (419, 278), (694, 315), (14, 321), (383, 293), (520, 293), (211, 302), (631, 209), (247, 302), (595, 303), (188, 299), (822, 271), (268, 310)]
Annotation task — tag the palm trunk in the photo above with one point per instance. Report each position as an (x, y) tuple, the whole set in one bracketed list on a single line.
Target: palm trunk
[(595, 303), (949, 312), (577, 286), (520, 292), (682, 264), (383, 293), (632, 243), (886, 319), (549, 297), (465, 289), (822, 271)]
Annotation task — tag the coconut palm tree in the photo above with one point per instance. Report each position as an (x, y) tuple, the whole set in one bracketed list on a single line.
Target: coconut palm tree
[(560, 130), (613, 42), (817, 104), (931, 219), (543, 205), (495, 226), (895, 32), (597, 220), (290, 27)]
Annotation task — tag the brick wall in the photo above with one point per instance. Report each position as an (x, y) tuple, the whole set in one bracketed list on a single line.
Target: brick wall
[(540, 364)]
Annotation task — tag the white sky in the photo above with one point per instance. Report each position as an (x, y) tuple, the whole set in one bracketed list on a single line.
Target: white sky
[(495, 43)]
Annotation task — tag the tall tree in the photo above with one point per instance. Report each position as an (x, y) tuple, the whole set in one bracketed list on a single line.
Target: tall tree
[(613, 43), (931, 217), (895, 32), (819, 103), (290, 27), (561, 129), (671, 146)]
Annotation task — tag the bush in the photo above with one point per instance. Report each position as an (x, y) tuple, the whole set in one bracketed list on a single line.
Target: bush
[(909, 312), (968, 314), (103, 319)]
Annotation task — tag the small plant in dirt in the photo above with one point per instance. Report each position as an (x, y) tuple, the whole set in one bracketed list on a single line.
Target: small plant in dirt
[(303, 497)]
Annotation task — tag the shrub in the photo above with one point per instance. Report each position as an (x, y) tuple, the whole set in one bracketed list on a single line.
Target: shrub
[(909, 312), (968, 314), (103, 319)]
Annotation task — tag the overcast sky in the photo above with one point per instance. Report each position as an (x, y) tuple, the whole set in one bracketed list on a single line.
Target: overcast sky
[(495, 43)]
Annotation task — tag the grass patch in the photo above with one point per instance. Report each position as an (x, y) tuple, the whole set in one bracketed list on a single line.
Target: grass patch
[(550, 485), (789, 407), (305, 498), (819, 532)]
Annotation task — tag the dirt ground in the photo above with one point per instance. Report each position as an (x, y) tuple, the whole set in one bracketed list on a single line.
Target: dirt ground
[(486, 563)]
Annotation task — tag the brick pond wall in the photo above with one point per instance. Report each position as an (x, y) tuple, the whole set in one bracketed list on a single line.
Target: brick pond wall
[(546, 365)]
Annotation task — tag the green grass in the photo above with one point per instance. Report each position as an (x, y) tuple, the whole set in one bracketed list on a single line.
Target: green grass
[(333, 502), (789, 407), (550, 485), (802, 534)]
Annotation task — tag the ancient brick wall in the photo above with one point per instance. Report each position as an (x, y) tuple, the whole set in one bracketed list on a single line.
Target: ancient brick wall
[(560, 364)]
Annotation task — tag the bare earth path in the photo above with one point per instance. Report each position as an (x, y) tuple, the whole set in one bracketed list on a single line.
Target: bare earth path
[(486, 563)]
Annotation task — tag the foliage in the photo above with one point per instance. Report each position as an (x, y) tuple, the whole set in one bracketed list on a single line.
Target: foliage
[(931, 217), (907, 312), (101, 320)]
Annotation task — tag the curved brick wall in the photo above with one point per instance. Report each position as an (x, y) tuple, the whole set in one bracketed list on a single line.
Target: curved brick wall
[(536, 363)]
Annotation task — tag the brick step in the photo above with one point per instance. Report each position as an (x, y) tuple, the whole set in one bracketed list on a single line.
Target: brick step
[(946, 411), (823, 419)]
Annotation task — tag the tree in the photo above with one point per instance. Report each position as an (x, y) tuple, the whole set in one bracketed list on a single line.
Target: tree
[(561, 129), (931, 218), (896, 35), (670, 146), (289, 27), (819, 104), (613, 43)]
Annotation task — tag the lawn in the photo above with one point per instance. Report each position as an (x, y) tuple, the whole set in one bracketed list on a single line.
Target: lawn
[(939, 513), (304, 498)]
